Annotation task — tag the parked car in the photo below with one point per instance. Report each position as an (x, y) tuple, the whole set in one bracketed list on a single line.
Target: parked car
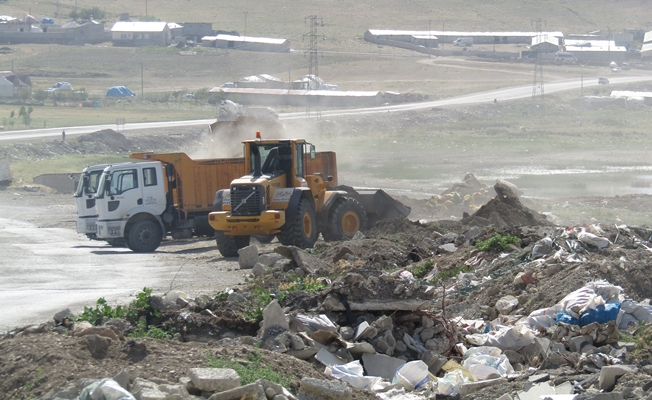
[(616, 70), (565, 57), (603, 81)]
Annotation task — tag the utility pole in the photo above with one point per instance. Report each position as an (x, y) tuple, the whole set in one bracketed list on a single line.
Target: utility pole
[(429, 34), (142, 83), (538, 96), (582, 85), (145, 7), (313, 63)]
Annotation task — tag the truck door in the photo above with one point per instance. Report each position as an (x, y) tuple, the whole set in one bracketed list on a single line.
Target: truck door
[(154, 188), (124, 193)]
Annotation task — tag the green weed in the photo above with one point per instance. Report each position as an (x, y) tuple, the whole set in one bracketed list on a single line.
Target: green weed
[(451, 273), (222, 296), (421, 271), (307, 284), (131, 312), (143, 330), (497, 243), (251, 370), (254, 308)]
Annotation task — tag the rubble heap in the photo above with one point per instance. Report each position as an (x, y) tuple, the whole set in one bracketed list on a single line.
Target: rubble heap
[(411, 311)]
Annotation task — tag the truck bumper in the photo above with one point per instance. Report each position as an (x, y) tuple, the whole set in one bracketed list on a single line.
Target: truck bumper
[(267, 223), (87, 225), (110, 229)]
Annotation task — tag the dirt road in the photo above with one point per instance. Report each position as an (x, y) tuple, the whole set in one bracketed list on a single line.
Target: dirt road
[(46, 266)]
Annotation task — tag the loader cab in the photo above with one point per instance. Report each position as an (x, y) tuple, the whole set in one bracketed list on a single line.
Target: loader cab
[(273, 158)]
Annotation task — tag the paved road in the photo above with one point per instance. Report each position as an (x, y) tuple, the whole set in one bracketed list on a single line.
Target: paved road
[(45, 270), (511, 93)]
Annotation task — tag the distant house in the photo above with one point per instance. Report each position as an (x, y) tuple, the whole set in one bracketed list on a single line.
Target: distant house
[(140, 33), (21, 84), (544, 44), (73, 33), (246, 43), (596, 50), (6, 88)]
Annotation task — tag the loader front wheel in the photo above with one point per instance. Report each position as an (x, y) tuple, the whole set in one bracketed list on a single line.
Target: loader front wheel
[(229, 245), (346, 219), (302, 230)]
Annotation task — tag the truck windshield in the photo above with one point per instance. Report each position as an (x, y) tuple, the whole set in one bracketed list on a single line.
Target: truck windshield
[(88, 183)]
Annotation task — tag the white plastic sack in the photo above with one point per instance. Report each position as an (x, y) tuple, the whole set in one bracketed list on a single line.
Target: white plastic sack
[(593, 240), (542, 248), (484, 366), (412, 375), (513, 338), (506, 304), (106, 389), (482, 350), (353, 374), (451, 382)]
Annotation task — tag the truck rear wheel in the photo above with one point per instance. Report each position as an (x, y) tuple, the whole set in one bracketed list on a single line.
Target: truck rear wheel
[(346, 219), (229, 245), (302, 231), (144, 236)]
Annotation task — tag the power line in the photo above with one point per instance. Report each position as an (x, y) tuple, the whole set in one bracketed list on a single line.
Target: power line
[(313, 60)]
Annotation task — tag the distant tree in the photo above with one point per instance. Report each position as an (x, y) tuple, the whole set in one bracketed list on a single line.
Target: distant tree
[(40, 96), (87, 13), (22, 111), (27, 119), (13, 114)]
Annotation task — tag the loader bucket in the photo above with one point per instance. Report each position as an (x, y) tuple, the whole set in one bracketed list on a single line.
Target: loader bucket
[(379, 205)]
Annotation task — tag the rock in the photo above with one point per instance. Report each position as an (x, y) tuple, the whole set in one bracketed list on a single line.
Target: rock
[(447, 248), (381, 365), (610, 373), (61, 315), (123, 379), (260, 269), (270, 259), (170, 389), (513, 357), (135, 351), (284, 265), (190, 387), (576, 343), (273, 316), (433, 360), (427, 333), (252, 391), (158, 303), (248, 257), (146, 390), (319, 389), (236, 297), (70, 393), (109, 332), (304, 260), (120, 323), (467, 388), (647, 369), (214, 379), (539, 348), (97, 345), (346, 332)]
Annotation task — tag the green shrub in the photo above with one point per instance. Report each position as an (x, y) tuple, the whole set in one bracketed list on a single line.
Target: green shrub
[(250, 370), (450, 273), (497, 243), (421, 271), (142, 305)]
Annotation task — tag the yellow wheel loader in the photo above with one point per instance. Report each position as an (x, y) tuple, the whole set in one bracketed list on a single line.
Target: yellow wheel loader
[(287, 193)]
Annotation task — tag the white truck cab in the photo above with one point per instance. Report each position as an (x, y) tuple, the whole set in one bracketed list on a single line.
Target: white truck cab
[(85, 200), (130, 202)]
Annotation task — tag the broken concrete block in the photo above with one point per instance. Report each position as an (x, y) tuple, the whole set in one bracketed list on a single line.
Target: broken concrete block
[(190, 387), (319, 389), (607, 396), (61, 315), (381, 365), (346, 332), (260, 269), (304, 260), (146, 390), (252, 391), (539, 348), (576, 343), (536, 391), (178, 389), (610, 373), (360, 330), (269, 259), (273, 316), (248, 257), (467, 388), (360, 348), (122, 379), (565, 388), (214, 379), (539, 378), (326, 358)]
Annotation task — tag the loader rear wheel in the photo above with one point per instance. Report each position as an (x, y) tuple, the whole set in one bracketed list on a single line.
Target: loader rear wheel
[(346, 219), (302, 230), (144, 236), (229, 245)]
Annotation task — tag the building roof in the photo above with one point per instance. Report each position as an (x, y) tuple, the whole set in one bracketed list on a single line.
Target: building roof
[(139, 26), (629, 93), (648, 37), (646, 47), (381, 32), (328, 93), (6, 18), (433, 37), (544, 39), (579, 46), (247, 39), (174, 25)]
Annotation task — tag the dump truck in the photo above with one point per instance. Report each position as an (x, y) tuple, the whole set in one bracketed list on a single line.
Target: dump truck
[(165, 194), (229, 111), (85, 200), (292, 193)]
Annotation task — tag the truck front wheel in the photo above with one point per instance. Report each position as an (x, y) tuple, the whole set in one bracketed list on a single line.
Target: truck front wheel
[(302, 231), (144, 236), (346, 219), (229, 245)]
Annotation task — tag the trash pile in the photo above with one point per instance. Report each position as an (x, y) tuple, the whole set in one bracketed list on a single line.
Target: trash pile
[(500, 304)]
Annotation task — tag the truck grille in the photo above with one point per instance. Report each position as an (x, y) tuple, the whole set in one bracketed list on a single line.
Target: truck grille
[(247, 200)]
